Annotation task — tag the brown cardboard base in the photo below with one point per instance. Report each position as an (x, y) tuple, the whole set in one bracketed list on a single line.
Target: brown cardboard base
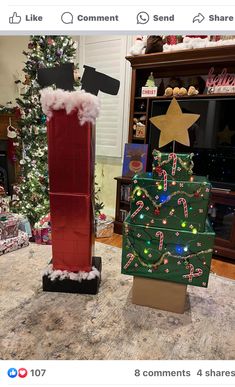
[(159, 294)]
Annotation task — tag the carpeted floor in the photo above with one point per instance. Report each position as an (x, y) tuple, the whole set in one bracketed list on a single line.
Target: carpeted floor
[(37, 325)]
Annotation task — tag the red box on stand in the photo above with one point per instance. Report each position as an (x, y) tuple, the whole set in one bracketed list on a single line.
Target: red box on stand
[(72, 231), (71, 158), (71, 148), (71, 154)]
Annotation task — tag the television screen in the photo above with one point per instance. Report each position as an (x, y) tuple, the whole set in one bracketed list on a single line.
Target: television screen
[(212, 137)]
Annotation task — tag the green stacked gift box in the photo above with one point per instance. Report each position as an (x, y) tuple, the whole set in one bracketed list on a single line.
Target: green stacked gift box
[(177, 166), (167, 235), (182, 204), (167, 254)]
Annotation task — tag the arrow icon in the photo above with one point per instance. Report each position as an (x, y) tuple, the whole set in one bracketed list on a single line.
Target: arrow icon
[(199, 18)]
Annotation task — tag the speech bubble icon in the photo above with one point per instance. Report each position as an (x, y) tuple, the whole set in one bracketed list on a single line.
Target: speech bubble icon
[(142, 17), (67, 18)]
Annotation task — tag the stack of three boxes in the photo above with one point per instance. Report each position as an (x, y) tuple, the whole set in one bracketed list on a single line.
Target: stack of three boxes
[(167, 239)]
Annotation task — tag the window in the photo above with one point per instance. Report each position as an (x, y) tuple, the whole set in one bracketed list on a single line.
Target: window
[(107, 55)]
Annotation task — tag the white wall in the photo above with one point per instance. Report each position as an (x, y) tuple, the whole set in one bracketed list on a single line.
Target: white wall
[(11, 64)]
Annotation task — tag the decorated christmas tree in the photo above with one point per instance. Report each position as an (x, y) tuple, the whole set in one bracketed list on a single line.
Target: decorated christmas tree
[(31, 196), (150, 81), (167, 235)]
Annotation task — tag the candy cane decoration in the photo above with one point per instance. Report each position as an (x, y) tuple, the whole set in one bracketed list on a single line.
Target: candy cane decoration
[(161, 238), (192, 274), (174, 157), (185, 206), (161, 172), (131, 258), (140, 203)]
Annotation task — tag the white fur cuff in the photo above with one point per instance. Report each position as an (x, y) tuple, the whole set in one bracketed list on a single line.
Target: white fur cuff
[(87, 105)]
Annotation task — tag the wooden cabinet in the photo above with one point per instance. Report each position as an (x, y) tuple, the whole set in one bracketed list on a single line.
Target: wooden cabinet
[(185, 65), (122, 202), (222, 217)]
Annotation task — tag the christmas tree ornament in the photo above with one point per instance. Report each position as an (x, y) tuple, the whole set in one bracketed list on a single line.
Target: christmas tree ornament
[(150, 81)]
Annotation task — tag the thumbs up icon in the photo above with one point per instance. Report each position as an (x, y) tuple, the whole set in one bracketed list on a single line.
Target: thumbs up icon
[(14, 19)]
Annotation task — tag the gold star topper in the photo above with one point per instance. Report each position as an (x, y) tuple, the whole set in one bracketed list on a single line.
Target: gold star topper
[(226, 135), (174, 125)]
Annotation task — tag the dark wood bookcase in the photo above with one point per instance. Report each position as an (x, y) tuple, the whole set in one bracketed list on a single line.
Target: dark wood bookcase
[(188, 63)]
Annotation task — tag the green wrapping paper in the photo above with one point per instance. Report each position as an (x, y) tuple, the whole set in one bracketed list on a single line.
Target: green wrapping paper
[(177, 166), (181, 205), (167, 254)]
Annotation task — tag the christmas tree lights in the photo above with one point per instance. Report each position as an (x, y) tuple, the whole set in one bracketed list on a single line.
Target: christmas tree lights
[(31, 193), (167, 235)]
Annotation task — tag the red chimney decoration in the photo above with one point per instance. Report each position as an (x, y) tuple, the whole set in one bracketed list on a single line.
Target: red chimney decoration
[(71, 158)]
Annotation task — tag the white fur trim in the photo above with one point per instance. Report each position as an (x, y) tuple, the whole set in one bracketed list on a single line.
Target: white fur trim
[(64, 274), (192, 43), (87, 105)]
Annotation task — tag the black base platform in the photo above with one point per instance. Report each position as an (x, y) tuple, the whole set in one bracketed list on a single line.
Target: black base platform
[(71, 286)]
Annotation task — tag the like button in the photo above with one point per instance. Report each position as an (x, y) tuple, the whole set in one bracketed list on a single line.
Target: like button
[(14, 19)]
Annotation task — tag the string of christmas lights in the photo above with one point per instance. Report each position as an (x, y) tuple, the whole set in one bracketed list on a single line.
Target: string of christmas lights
[(186, 165), (166, 254)]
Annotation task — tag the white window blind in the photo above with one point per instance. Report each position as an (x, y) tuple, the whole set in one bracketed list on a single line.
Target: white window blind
[(107, 55)]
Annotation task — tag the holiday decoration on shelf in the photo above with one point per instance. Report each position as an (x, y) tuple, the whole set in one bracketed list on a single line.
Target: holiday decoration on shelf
[(150, 88), (167, 235), (135, 159), (225, 136), (220, 83), (31, 197), (139, 45), (154, 44), (173, 39), (201, 41), (180, 92), (150, 81)]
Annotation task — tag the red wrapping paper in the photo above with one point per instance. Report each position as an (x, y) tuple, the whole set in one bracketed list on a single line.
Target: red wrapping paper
[(70, 154), (71, 175), (71, 220)]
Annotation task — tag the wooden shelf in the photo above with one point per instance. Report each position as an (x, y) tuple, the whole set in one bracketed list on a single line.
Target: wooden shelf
[(183, 64), (138, 138), (198, 96), (224, 55), (125, 203)]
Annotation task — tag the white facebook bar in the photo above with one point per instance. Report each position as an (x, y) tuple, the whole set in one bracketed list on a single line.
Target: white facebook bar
[(89, 19), (117, 373)]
